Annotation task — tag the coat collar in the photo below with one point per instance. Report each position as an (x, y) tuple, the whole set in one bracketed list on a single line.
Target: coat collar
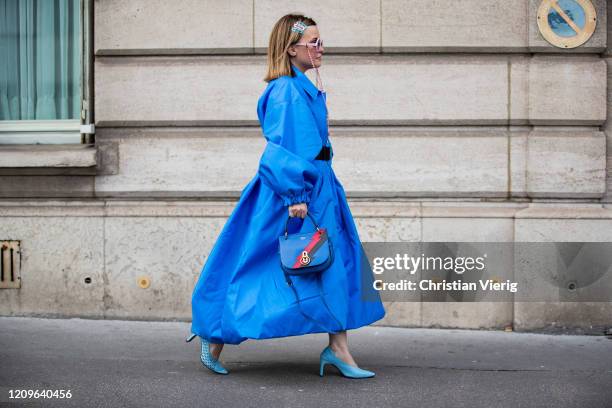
[(305, 82)]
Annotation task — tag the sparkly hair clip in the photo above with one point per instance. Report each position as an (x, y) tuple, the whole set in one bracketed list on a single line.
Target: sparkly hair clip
[(298, 27)]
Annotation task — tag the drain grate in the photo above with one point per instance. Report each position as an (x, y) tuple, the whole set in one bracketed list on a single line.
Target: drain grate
[(10, 265)]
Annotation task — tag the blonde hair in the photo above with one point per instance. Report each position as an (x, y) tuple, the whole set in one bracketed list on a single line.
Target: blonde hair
[(281, 38)]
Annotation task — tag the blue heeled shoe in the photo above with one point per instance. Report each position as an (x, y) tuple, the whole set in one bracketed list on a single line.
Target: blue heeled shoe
[(207, 359), (347, 370)]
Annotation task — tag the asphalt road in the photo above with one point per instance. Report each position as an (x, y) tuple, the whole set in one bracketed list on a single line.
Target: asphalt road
[(111, 363)]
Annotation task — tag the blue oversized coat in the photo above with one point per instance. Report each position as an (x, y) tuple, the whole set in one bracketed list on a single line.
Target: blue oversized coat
[(241, 292)]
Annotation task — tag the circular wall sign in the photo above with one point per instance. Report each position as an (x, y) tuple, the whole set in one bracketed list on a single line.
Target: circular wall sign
[(567, 23)]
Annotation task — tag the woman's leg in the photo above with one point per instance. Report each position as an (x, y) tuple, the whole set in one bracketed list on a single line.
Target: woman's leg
[(339, 345), (215, 350)]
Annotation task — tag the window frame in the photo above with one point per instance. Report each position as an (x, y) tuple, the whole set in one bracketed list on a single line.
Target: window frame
[(62, 131)]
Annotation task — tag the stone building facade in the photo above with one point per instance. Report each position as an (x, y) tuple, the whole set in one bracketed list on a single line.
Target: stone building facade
[(451, 121)]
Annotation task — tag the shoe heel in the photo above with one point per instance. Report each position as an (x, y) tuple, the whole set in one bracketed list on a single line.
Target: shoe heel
[(322, 367), (188, 339)]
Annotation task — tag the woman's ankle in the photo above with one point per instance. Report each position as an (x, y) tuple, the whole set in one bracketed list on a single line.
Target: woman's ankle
[(336, 348), (215, 350)]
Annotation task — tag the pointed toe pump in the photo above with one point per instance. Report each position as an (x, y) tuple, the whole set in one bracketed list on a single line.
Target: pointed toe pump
[(347, 370), (207, 359)]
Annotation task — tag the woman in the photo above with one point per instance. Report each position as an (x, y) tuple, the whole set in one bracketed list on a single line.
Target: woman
[(241, 293)]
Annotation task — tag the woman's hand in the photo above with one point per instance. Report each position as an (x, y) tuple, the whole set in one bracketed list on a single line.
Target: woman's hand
[(298, 210)]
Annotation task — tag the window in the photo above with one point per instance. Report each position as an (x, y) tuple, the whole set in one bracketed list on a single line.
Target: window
[(44, 71)]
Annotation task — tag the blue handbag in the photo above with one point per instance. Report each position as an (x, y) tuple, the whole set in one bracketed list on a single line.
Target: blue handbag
[(306, 254)]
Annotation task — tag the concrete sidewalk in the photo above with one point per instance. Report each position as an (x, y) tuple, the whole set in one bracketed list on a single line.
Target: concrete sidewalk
[(110, 363)]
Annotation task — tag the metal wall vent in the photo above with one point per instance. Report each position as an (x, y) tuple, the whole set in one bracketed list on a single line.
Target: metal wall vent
[(10, 265)]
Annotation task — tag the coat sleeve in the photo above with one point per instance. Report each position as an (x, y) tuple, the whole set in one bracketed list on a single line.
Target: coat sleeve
[(293, 141)]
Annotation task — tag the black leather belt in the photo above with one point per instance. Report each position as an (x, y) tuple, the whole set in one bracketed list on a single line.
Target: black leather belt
[(324, 154)]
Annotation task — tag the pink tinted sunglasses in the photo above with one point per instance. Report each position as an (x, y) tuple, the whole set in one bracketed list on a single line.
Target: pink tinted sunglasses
[(317, 45)]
